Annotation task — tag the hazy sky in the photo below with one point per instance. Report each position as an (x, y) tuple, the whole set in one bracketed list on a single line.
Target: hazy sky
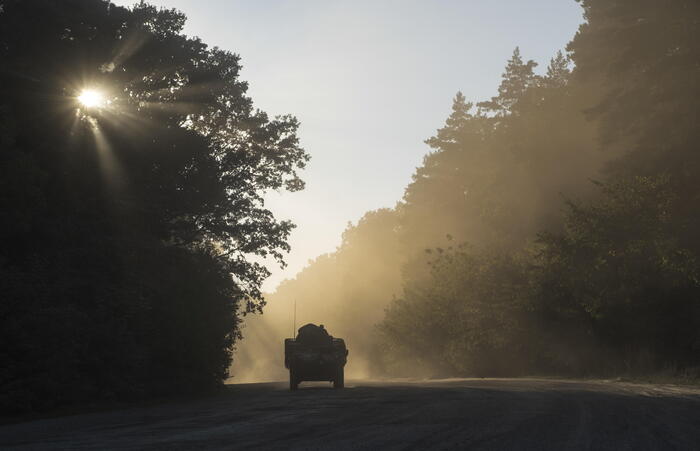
[(369, 81)]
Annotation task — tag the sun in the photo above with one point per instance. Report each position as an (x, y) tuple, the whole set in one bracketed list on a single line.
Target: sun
[(91, 98)]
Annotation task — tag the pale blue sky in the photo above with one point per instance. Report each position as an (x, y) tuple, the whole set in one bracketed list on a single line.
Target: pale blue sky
[(369, 81)]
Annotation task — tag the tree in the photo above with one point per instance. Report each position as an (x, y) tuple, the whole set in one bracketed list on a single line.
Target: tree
[(470, 319), (644, 57), (134, 259), (558, 71), (517, 79), (618, 279)]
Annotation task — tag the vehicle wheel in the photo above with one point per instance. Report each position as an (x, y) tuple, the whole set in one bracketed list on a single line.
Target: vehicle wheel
[(339, 381), (293, 382)]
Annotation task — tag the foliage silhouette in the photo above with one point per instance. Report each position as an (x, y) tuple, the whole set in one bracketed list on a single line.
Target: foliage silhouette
[(129, 230), (612, 284), (531, 267)]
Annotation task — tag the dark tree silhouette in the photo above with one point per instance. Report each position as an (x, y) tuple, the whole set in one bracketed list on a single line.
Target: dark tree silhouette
[(128, 227), (558, 274), (612, 284)]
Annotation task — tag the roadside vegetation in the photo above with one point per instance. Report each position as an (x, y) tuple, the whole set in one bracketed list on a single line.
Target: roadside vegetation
[(132, 172), (552, 229)]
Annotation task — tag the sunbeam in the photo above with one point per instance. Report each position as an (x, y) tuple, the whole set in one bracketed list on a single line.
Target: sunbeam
[(92, 98), (110, 168)]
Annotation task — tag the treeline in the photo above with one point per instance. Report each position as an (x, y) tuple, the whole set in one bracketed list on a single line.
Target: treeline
[(127, 227), (553, 228)]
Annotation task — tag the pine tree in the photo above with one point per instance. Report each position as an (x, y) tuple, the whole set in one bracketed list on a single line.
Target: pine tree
[(461, 114), (518, 77), (558, 71)]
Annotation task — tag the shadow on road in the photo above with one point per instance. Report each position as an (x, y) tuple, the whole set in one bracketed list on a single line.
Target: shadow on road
[(449, 414)]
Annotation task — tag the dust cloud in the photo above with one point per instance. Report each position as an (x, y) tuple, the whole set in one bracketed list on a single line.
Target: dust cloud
[(346, 291)]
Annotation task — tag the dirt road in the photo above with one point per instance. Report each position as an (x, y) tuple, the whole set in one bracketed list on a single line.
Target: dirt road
[(450, 414)]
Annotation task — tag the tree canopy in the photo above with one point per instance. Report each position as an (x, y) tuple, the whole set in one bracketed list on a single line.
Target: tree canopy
[(133, 229), (560, 274), (553, 227)]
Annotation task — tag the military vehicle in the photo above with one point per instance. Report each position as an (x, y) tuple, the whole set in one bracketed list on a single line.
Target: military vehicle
[(314, 355)]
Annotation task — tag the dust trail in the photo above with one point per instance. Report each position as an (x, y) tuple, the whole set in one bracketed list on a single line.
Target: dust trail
[(345, 291)]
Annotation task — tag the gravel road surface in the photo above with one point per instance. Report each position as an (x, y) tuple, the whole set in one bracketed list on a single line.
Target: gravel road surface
[(478, 414)]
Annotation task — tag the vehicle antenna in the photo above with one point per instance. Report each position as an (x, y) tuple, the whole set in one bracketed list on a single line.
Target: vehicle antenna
[(294, 325)]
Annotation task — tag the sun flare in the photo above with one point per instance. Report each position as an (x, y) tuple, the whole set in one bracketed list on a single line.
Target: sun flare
[(91, 98)]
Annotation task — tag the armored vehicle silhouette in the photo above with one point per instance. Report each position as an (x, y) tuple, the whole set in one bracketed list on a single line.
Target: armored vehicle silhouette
[(315, 356)]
